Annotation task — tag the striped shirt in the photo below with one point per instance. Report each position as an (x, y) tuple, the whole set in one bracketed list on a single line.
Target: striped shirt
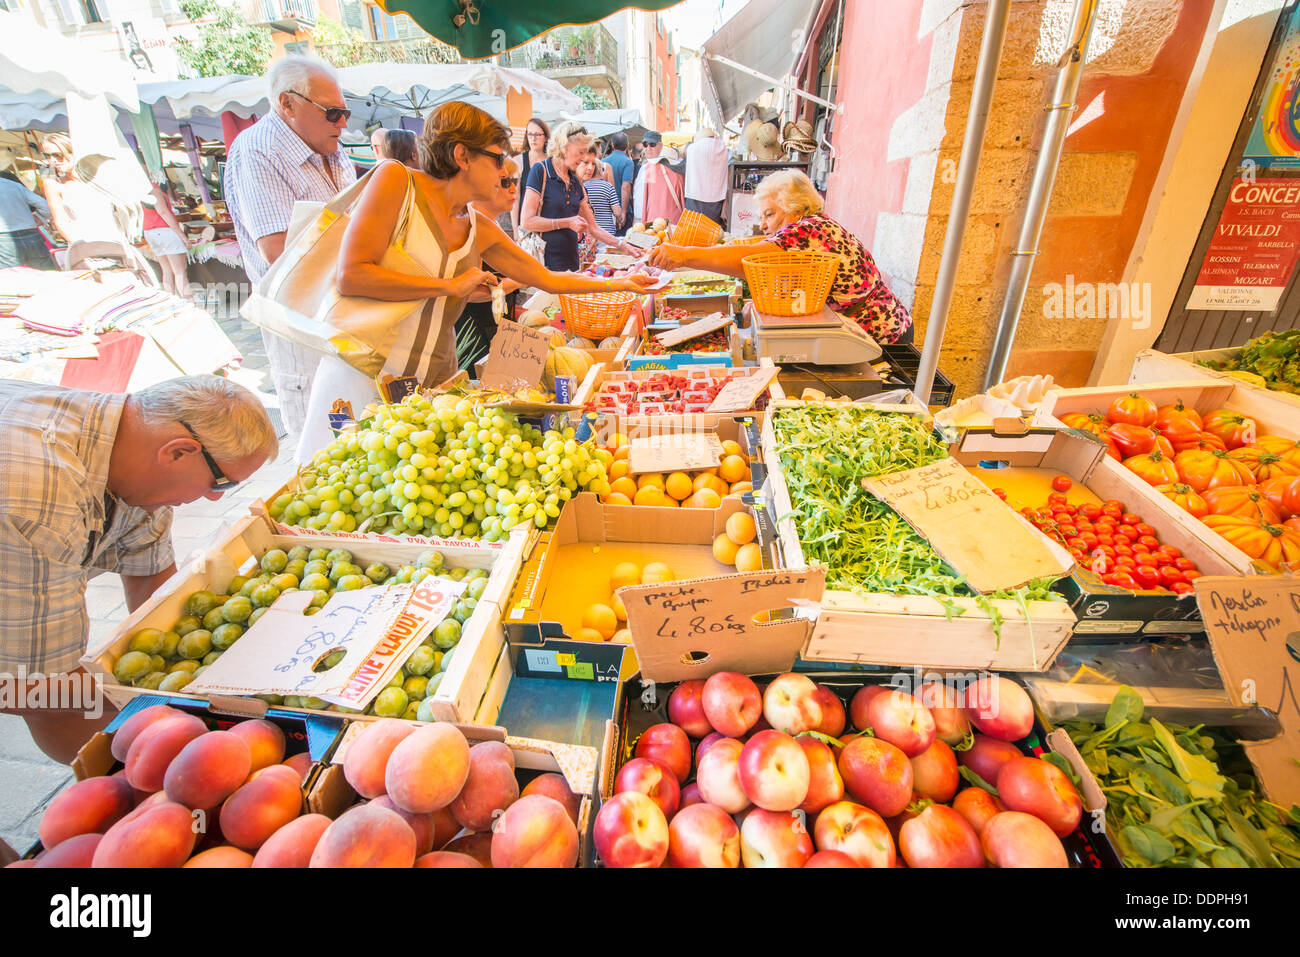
[(60, 524), (269, 169), (603, 199)]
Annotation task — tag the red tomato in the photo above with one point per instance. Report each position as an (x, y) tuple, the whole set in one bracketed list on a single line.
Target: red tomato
[(1069, 531), (1054, 498), (1123, 580), (1076, 542), (1107, 540), (1125, 561), (1128, 518), (1076, 554), (1171, 551), (1092, 511), (1113, 503), (1184, 564), (1062, 483), (1089, 539), (1002, 494), (1144, 529), (1169, 575), (1148, 560), (1150, 541), (1132, 408), (1147, 577), (1129, 532), (1123, 550), (1183, 588), (1191, 575)]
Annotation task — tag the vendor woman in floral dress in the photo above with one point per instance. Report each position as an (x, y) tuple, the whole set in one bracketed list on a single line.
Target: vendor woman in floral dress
[(792, 217)]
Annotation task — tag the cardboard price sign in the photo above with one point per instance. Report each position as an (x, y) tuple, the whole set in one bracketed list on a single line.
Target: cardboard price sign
[(377, 629), (515, 358), (742, 392), (693, 330), (1254, 629), (972, 529), (675, 453), (692, 629)]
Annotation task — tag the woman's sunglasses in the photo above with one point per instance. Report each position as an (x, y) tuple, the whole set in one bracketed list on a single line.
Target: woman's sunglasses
[(509, 182), (332, 113), (500, 158)]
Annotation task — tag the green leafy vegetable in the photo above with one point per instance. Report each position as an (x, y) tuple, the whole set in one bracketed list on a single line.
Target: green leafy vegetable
[(1274, 357)]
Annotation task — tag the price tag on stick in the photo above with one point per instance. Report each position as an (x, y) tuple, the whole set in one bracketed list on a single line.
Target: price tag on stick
[(516, 358), (684, 452)]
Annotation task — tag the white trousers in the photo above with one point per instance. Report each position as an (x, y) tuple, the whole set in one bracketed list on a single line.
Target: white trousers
[(292, 369), (335, 379)]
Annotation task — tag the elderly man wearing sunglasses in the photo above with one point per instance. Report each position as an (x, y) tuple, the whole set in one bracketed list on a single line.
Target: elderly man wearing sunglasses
[(290, 154), (89, 485)]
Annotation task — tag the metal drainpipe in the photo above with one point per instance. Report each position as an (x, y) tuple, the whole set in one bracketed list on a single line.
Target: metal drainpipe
[(1060, 109), (977, 118)]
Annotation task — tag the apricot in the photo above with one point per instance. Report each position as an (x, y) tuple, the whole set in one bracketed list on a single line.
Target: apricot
[(649, 479), (265, 742), (678, 485), (535, 831), (76, 851), (208, 770), (708, 498), (446, 859), (223, 856), (620, 610), (91, 806), (366, 836), (600, 618), (749, 558), (733, 469), (300, 762), (154, 835), (656, 573), (555, 786), (293, 844), (267, 802), (624, 573), (367, 756), (427, 769), (617, 498), (741, 529), (156, 746), (650, 495), (132, 726), (623, 486), (490, 787), (421, 825), (724, 549), (732, 447)]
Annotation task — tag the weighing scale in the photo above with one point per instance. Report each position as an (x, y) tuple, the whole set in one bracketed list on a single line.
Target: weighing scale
[(824, 338)]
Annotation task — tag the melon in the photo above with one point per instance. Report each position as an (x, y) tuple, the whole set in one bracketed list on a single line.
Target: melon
[(577, 342), (612, 342), (534, 319), (557, 337), (564, 361)]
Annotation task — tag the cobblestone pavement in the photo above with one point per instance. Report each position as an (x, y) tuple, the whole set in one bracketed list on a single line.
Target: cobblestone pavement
[(28, 779)]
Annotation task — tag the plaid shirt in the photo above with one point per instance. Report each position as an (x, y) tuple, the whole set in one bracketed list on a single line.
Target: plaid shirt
[(269, 169), (59, 525)]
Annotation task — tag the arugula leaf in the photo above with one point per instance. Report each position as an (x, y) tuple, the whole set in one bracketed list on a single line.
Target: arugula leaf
[(973, 778), (1126, 707)]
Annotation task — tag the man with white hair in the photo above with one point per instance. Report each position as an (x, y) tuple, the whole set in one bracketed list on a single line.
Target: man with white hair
[(290, 154), (88, 487)]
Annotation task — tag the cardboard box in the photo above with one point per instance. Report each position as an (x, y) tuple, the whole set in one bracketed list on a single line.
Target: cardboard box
[(1205, 395), (1268, 405), (464, 693), (905, 630), (330, 794), (612, 391), (572, 571), (1104, 609)]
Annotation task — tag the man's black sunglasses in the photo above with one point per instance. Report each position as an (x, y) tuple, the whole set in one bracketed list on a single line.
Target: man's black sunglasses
[(219, 481), (332, 113)]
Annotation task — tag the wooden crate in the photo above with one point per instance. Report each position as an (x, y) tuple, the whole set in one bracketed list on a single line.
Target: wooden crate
[(461, 694), (1258, 403), (908, 630), (1204, 395)]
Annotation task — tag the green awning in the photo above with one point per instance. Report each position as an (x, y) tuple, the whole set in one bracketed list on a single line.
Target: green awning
[(484, 28)]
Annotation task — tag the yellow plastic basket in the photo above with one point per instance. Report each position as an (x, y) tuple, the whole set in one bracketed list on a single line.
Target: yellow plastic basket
[(695, 229), (792, 283), (596, 315)]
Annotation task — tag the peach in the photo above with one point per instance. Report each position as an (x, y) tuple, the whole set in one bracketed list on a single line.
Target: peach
[(269, 800), (977, 806), (446, 859), (366, 836), (91, 806), (1000, 708), (155, 746), (208, 770), (686, 709), (857, 831), (876, 774), (900, 719), (445, 827), (708, 741), (831, 859), (774, 839), (161, 835), (934, 772), (535, 831), (731, 703), (825, 786), (774, 771), (1042, 789), (631, 831), (265, 741), (428, 768), (667, 744), (554, 785), (132, 726), (300, 762), (293, 844), (421, 825), (653, 780), (939, 837), (861, 701), (950, 722), (367, 756), (790, 704), (703, 835), (986, 756), (223, 856), (690, 795), (76, 851), (1016, 839), (490, 786), (476, 844), (718, 777), (833, 718)]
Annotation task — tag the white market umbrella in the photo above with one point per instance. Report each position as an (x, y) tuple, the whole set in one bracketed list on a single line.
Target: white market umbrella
[(36, 60)]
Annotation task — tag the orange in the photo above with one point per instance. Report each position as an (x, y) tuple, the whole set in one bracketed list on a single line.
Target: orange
[(724, 550), (619, 608), (670, 502), (707, 498), (650, 478), (616, 470), (617, 498), (733, 469), (739, 487), (740, 528), (624, 573), (622, 452), (601, 618), (620, 441), (589, 634), (749, 558), (732, 447), (656, 573), (623, 486), (678, 485), (649, 495)]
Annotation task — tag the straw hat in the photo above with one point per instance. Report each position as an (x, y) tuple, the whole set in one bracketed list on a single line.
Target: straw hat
[(799, 137), (763, 141)]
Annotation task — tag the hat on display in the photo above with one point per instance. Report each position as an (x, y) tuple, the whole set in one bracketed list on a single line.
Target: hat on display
[(798, 136), (763, 140)]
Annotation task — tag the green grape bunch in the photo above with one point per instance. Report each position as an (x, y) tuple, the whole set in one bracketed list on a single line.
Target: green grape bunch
[(442, 467)]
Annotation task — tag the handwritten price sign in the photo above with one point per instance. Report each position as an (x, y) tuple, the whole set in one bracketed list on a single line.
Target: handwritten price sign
[(516, 358)]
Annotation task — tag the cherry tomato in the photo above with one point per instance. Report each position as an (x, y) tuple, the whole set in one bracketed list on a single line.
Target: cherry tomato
[(1191, 575), (1149, 561), (1169, 575), (1184, 564), (1145, 529), (1068, 531), (1002, 494), (1108, 540), (1129, 532), (1183, 588), (1062, 483), (1054, 498), (1089, 539), (1113, 512), (1128, 518), (1125, 561), (1150, 541), (1113, 503), (1092, 511), (1171, 551), (1076, 554), (1140, 549), (1147, 577), (1124, 550), (1123, 580)]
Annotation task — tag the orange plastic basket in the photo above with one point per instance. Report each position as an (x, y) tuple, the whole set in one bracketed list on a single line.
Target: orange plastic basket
[(790, 283), (747, 240), (596, 315), (695, 229)]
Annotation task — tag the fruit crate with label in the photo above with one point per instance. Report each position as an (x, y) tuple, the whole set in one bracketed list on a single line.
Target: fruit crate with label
[(468, 668), (1254, 398), (936, 620), (689, 390)]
